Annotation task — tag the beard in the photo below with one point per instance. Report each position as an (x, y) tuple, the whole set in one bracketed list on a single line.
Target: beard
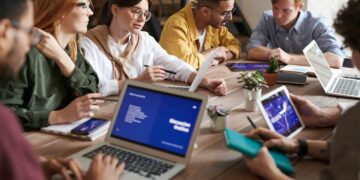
[(14, 60)]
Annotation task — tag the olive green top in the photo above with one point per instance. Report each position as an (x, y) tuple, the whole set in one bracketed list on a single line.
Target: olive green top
[(41, 88)]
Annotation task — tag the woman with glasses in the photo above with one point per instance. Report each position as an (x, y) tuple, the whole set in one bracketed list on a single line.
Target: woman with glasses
[(118, 50), (56, 84)]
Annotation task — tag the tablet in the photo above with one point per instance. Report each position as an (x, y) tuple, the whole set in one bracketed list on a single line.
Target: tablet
[(280, 112), (247, 66)]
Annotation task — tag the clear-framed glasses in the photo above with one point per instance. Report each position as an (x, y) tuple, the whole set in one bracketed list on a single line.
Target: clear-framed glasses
[(34, 35), (137, 12)]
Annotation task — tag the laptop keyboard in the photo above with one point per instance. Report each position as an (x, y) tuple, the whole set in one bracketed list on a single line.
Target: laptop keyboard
[(347, 86), (142, 165)]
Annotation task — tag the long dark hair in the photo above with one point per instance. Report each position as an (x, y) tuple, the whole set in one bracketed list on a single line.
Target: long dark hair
[(106, 15)]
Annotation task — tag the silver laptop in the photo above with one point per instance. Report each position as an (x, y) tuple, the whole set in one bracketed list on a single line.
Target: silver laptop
[(199, 76), (150, 132), (332, 83)]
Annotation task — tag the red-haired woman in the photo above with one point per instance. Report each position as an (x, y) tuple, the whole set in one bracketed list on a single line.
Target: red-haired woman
[(56, 84)]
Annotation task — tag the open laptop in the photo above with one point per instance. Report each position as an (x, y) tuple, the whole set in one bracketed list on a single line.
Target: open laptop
[(150, 131), (199, 76), (331, 82)]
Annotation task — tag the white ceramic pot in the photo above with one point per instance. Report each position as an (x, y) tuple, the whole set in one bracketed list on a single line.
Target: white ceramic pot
[(250, 99), (219, 123)]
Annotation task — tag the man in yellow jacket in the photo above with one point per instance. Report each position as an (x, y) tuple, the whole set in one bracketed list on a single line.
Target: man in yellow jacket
[(199, 28)]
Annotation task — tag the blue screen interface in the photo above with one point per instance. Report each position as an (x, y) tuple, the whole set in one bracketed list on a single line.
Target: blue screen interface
[(158, 120), (248, 66), (281, 113)]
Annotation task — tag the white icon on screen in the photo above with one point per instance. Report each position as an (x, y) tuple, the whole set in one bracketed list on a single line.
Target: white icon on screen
[(194, 107)]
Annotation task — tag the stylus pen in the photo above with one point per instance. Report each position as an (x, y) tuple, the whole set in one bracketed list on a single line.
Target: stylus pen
[(171, 72), (254, 126), (251, 122)]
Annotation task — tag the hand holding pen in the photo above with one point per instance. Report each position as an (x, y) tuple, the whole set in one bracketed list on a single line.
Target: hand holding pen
[(273, 139), (151, 74)]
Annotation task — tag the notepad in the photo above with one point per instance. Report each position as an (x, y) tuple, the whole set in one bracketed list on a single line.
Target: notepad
[(65, 129), (251, 148)]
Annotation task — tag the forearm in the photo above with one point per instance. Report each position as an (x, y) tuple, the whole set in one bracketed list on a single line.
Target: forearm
[(297, 59), (329, 116), (334, 60), (66, 64), (318, 149), (259, 53)]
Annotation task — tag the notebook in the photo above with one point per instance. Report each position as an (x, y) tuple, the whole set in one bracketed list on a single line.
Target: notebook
[(65, 129), (251, 148), (332, 83), (149, 132)]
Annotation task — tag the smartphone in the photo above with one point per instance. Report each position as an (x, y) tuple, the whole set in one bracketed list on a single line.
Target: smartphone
[(247, 66), (89, 126)]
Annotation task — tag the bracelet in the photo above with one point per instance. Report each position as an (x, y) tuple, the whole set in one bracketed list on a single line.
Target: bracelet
[(303, 148)]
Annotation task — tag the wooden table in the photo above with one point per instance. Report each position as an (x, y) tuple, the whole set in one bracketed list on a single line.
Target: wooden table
[(212, 159)]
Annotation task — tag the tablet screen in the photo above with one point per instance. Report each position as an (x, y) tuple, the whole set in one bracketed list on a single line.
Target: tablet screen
[(248, 66), (281, 113)]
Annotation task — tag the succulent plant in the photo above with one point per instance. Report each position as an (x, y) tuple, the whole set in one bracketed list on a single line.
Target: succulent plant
[(252, 81), (273, 65)]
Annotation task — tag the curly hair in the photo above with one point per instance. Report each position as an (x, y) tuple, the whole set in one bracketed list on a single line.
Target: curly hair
[(347, 24)]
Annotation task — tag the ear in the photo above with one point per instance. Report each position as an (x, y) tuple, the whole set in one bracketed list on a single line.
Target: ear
[(6, 34), (113, 9), (205, 11), (301, 6)]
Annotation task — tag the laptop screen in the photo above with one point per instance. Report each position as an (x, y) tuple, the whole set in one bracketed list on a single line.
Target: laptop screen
[(319, 63), (156, 119), (281, 113)]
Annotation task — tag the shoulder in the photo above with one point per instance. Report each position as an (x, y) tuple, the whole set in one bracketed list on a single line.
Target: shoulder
[(177, 19), (314, 19), (267, 15)]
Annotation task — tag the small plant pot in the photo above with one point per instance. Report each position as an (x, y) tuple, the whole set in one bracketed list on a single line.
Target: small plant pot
[(250, 99), (270, 78), (219, 123)]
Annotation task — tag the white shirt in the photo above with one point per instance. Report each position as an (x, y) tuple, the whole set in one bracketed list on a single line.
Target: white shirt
[(201, 40), (148, 52)]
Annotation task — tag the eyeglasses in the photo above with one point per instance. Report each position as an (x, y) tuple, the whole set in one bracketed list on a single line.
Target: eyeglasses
[(34, 35), (83, 5), (137, 13), (224, 14)]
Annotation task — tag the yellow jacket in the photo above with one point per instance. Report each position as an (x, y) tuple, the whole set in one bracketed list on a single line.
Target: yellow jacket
[(179, 37)]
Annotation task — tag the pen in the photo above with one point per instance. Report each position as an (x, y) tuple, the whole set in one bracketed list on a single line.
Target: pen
[(106, 99), (171, 72), (254, 126)]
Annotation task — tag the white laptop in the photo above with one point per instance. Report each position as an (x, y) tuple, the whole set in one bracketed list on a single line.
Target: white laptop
[(150, 132), (280, 112), (332, 83), (199, 76)]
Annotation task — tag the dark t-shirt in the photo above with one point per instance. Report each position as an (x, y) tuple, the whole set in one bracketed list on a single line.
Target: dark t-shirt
[(17, 160)]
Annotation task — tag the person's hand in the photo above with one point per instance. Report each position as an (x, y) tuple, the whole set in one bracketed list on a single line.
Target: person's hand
[(311, 115), (281, 55), (273, 139), (62, 167), (151, 74), (104, 167), (264, 165), (82, 107), (50, 47), (218, 86), (222, 54)]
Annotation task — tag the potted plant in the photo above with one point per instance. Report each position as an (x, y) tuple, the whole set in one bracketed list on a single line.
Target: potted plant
[(271, 72), (252, 84), (219, 117)]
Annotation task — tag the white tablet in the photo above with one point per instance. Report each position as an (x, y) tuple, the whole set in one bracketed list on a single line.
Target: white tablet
[(280, 112)]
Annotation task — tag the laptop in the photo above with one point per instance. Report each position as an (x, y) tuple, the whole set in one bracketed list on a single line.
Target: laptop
[(150, 132), (280, 113), (332, 83), (199, 76)]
